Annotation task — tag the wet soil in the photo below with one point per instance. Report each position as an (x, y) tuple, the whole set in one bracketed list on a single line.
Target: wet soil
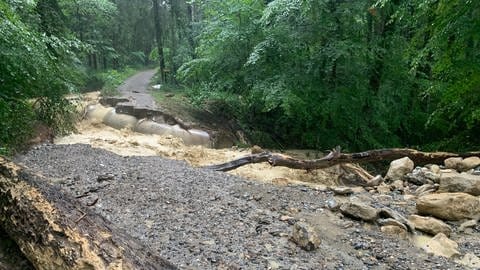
[(200, 219)]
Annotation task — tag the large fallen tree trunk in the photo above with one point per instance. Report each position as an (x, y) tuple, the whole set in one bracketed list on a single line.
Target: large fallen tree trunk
[(55, 232), (337, 157)]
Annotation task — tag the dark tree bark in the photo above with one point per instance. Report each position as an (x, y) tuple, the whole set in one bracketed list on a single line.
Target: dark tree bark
[(336, 157), (56, 232)]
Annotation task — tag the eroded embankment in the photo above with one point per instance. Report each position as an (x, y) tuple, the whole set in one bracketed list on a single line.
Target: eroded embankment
[(109, 116)]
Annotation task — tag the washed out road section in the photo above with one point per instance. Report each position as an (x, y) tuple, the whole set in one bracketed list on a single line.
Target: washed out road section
[(200, 219)]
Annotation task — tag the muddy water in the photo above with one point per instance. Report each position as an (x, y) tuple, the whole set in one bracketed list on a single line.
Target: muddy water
[(128, 143)]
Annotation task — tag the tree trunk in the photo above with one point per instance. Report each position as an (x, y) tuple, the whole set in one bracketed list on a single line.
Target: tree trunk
[(55, 232), (158, 35), (336, 157)]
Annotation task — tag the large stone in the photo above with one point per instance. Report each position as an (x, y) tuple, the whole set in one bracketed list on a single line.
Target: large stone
[(460, 182), (439, 245), (430, 225), (399, 168), (449, 206), (305, 236), (453, 163), (469, 163), (359, 210)]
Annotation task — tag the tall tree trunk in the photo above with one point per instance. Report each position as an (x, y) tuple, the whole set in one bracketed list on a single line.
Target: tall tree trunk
[(173, 48), (158, 35)]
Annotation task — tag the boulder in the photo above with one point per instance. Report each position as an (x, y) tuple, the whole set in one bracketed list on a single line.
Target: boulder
[(430, 225), (305, 236), (469, 163), (440, 245), (399, 168), (453, 163), (449, 206), (460, 182), (359, 210)]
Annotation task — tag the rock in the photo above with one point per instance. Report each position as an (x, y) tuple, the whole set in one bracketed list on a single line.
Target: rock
[(452, 163), (392, 222), (397, 184), (273, 265), (286, 218), (359, 210), (467, 224), (333, 205), (383, 189), (427, 188), (388, 213), (421, 175), (469, 260), (342, 190), (394, 230), (460, 182), (468, 164), (434, 168), (430, 225), (440, 245), (449, 206), (375, 181), (305, 236), (256, 150), (399, 168)]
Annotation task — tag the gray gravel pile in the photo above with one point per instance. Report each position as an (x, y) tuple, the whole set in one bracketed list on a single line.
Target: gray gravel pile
[(199, 219)]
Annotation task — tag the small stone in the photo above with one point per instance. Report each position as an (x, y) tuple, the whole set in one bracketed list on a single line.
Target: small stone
[(359, 210), (333, 205), (397, 184), (467, 224), (305, 236), (394, 230), (469, 260), (409, 197), (425, 188), (399, 168), (434, 168), (383, 189), (392, 222), (286, 218), (430, 225), (342, 190), (273, 265), (256, 149), (377, 180), (449, 206)]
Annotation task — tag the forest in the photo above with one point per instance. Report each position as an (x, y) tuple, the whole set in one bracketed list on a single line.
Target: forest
[(291, 73)]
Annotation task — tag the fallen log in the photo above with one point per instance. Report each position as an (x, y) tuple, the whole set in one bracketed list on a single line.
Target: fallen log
[(336, 157), (54, 231)]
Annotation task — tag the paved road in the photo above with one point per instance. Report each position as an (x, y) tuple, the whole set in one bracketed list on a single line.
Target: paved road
[(135, 88)]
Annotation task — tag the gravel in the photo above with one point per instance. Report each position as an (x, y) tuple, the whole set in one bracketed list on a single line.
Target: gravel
[(201, 219)]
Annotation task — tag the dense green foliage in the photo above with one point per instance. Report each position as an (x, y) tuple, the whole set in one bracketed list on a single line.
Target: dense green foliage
[(293, 73), (361, 74), (33, 67)]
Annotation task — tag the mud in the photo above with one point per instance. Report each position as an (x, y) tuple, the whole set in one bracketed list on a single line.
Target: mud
[(201, 219)]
